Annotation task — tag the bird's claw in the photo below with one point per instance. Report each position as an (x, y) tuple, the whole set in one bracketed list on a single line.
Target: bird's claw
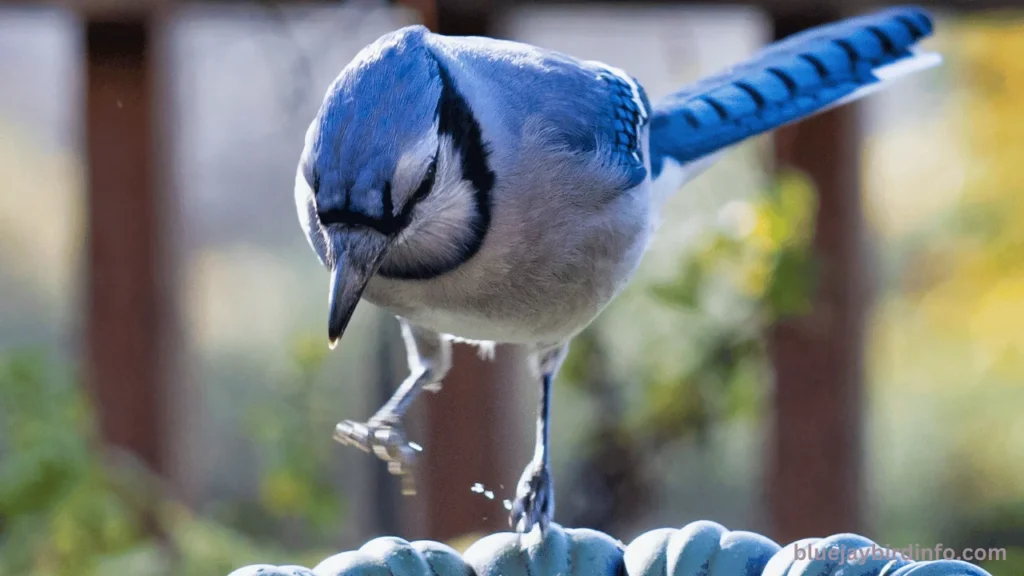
[(534, 503), (387, 440)]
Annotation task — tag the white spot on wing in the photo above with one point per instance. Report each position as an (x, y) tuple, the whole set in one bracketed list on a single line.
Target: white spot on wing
[(890, 73), (916, 63)]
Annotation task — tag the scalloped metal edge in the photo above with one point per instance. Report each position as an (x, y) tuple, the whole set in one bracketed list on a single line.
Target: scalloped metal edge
[(701, 548)]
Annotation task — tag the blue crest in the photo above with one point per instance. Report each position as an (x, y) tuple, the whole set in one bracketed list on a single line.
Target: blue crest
[(386, 98)]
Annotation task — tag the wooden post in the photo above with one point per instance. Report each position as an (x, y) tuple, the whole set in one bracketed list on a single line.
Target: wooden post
[(815, 482), (467, 17), (125, 321)]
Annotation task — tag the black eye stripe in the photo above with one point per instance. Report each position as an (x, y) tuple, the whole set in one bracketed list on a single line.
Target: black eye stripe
[(427, 184), (387, 202), (422, 191), (389, 223), (386, 226)]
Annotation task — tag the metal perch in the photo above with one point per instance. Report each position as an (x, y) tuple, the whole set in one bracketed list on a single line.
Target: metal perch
[(701, 548)]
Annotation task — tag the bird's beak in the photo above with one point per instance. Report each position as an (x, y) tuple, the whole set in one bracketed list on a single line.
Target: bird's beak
[(356, 257)]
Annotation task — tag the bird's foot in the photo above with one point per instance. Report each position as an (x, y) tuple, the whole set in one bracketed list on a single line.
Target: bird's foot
[(385, 438), (535, 499)]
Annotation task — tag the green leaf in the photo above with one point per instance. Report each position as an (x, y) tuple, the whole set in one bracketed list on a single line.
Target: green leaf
[(792, 282)]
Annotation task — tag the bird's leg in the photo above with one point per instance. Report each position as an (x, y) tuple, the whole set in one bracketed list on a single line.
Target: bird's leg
[(429, 360), (535, 496)]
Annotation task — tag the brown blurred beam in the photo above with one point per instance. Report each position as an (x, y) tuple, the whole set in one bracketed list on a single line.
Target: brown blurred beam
[(469, 17), (815, 475), (467, 442), (125, 324), (100, 9)]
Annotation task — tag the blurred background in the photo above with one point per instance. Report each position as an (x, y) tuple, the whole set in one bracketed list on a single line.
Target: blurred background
[(824, 337)]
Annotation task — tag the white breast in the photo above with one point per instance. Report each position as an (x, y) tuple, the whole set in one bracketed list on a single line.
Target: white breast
[(560, 247)]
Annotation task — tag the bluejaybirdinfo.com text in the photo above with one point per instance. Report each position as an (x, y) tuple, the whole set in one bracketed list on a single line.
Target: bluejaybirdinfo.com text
[(914, 552)]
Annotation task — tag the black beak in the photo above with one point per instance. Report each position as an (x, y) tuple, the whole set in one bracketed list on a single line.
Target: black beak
[(357, 254)]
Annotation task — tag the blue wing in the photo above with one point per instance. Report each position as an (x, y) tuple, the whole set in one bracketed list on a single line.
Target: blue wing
[(586, 107), (789, 80), (621, 122)]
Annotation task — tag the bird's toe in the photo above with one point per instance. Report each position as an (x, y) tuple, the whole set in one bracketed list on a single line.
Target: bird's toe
[(385, 438), (534, 503)]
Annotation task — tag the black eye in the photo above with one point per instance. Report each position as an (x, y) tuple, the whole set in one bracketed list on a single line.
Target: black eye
[(427, 184)]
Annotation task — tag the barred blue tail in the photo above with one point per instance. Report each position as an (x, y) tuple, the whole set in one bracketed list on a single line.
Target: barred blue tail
[(792, 79)]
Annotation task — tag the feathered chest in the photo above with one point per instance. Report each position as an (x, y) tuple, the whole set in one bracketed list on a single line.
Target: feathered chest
[(547, 266)]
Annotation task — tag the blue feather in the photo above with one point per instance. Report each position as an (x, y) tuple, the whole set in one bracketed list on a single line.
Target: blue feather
[(385, 98), (789, 80)]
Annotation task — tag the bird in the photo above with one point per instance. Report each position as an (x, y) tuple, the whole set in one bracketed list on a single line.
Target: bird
[(489, 191)]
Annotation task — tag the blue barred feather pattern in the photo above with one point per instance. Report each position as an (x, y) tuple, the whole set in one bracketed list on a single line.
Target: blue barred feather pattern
[(801, 75)]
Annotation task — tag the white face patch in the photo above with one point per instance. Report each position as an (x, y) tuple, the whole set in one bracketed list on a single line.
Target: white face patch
[(303, 197), (441, 224), (305, 205), (411, 167)]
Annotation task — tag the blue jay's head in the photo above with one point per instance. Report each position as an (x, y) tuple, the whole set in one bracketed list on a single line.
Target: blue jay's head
[(371, 156)]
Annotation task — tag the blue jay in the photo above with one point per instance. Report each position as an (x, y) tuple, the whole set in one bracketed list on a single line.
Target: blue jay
[(490, 191)]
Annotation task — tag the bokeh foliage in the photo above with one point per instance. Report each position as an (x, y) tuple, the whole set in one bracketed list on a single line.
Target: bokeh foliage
[(70, 506), (758, 257), (289, 426), (947, 345)]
